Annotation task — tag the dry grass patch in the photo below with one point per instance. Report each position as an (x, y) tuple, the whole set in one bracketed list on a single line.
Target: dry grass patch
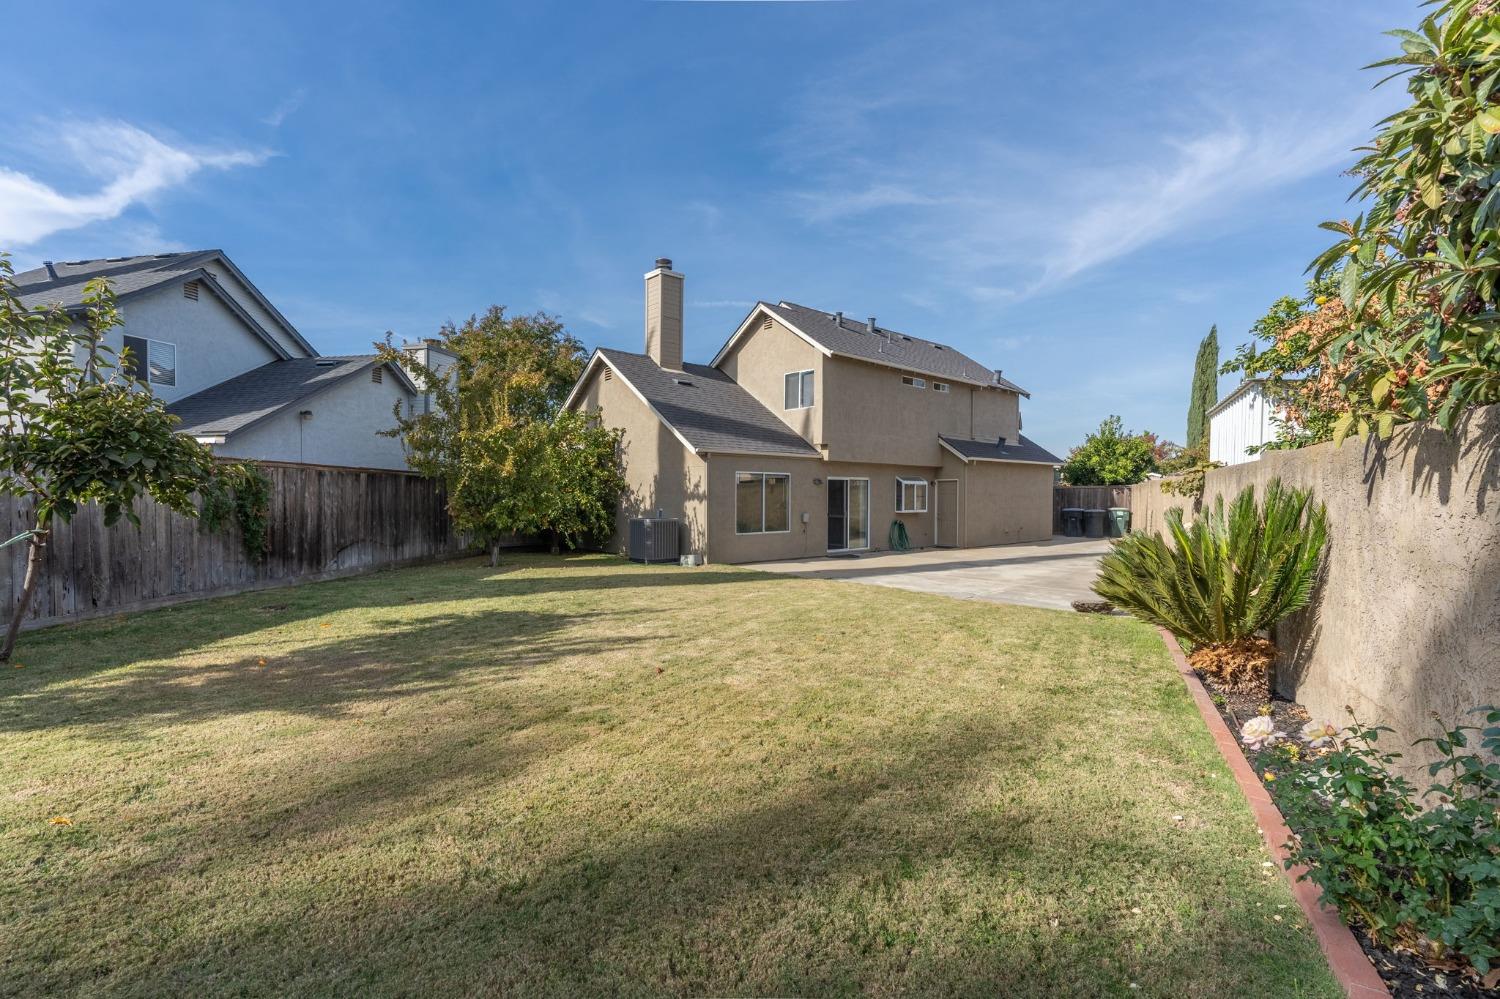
[(578, 776)]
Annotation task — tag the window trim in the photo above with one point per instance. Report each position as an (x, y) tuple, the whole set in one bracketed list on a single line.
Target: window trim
[(763, 476), (914, 381), (940, 387), (901, 482), (146, 360), (811, 381)]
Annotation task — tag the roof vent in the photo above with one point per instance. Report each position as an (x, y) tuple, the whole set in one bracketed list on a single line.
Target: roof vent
[(51, 271), (665, 263), (937, 346), (683, 381), (999, 375), (870, 325), (190, 290), (326, 362), (838, 317), (377, 374)]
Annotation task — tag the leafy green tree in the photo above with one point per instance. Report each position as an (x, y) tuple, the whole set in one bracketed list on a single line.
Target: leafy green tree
[(74, 430), (1418, 271), (512, 460), (1110, 457), (1205, 390)]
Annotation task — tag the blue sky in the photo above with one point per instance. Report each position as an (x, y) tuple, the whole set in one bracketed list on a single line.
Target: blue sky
[(1070, 192)]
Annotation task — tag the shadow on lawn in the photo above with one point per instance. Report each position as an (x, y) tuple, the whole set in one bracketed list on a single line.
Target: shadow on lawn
[(36, 697), (813, 889)]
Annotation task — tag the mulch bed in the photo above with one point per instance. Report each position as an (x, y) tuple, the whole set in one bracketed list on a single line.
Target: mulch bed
[(1407, 974)]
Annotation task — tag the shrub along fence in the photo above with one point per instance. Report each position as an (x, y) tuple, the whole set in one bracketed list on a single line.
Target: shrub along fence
[(323, 522), (1086, 497), (1405, 620)]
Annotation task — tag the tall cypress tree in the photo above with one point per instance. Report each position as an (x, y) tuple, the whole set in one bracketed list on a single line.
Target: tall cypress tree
[(1205, 391)]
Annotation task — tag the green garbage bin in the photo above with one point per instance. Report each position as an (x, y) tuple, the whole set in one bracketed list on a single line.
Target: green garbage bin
[(1119, 521)]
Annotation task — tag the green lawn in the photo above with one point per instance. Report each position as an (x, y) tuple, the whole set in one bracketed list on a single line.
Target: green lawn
[(582, 777)]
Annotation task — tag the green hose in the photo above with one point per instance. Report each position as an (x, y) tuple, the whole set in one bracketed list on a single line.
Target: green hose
[(900, 542)]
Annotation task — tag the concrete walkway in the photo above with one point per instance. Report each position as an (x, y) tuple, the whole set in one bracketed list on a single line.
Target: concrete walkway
[(1044, 574)]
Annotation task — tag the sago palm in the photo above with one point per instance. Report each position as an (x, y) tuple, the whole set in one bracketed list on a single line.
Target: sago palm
[(1227, 576)]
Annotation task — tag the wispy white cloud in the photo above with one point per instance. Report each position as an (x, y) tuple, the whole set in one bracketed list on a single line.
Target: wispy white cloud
[(133, 164), (286, 108)]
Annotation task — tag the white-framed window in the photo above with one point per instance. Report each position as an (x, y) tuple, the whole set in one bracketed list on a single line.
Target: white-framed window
[(799, 390), (762, 503), (913, 381), (151, 361), (940, 386), (911, 495)]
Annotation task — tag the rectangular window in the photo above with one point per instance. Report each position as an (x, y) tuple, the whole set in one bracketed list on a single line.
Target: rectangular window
[(150, 361), (911, 495), (913, 381), (799, 390), (940, 386), (762, 503)]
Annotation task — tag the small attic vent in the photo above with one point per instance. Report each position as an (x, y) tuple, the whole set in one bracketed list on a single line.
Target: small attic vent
[(190, 290), (609, 374), (767, 324), (684, 381), (326, 362), (377, 374)]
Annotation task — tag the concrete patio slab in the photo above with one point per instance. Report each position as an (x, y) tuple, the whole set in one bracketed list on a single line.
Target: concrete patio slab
[(1043, 574)]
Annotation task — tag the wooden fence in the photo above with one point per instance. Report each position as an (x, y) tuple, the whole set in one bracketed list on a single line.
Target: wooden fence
[(1087, 497), (324, 522)]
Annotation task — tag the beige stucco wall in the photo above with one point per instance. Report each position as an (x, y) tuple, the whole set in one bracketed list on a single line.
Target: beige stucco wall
[(660, 473), (877, 417), (760, 362), (809, 497), (1004, 503), (1406, 620)]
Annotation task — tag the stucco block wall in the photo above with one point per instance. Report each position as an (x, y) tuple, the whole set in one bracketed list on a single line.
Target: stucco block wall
[(1406, 620), (1001, 503), (342, 430), (760, 362), (660, 472)]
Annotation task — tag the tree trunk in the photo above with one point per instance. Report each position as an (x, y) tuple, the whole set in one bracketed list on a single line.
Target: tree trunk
[(34, 549), (494, 554), (556, 544)]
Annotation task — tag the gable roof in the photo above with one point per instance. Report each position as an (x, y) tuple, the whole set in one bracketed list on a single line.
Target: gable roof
[(1026, 451), (847, 337), (1248, 385), (248, 398), (62, 285), (707, 410)]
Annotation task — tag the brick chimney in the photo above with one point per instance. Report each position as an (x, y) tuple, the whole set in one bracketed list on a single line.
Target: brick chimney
[(664, 315)]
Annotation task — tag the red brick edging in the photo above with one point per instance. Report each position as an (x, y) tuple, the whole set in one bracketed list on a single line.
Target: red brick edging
[(1345, 956)]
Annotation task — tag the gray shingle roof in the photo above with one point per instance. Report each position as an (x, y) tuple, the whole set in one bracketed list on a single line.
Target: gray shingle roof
[(63, 285), (247, 399), (1026, 450), (849, 338), (710, 410)]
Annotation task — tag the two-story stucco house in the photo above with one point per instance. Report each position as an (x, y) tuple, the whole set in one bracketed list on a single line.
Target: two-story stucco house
[(810, 433), (240, 377)]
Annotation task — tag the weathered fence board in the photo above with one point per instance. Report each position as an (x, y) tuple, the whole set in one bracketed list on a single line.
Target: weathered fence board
[(323, 522), (1087, 497)]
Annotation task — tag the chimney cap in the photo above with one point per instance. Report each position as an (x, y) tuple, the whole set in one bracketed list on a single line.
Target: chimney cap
[(664, 263), (870, 325)]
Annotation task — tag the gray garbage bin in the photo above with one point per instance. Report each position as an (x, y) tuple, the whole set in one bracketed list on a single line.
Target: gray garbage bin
[(1072, 518), (1119, 521), (1093, 523)]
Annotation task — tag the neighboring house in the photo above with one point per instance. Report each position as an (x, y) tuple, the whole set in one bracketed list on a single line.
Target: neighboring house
[(1240, 420), (810, 433), (230, 365)]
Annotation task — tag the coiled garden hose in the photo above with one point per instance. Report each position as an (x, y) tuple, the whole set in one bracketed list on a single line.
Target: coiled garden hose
[(900, 541)]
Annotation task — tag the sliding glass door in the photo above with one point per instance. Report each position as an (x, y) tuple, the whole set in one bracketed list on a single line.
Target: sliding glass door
[(848, 514)]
